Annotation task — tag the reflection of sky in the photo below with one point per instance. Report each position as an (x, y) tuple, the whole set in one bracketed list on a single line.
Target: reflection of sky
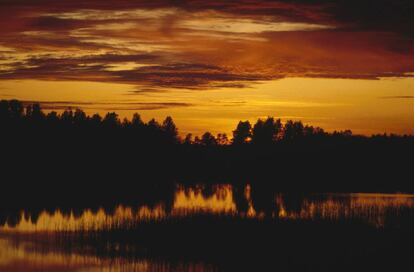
[(34, 246), (18, 255), (318, 63), (371, 208)]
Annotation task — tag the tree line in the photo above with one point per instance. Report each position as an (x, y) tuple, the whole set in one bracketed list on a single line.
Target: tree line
[(84, 150), (14, 115)]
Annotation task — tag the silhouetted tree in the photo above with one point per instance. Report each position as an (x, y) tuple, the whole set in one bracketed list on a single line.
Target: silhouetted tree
[(96, 120), (4, 112), (188, 139), (52, 117), (310, 131), (136, 121), (170, 129), (153, 124), (79, 117), (347, 133), (111, 120), (208, 139), (293, 130), (29, 111), (67, 117), (126, 123), (16, 109), (37, 113), (222, 139), (242, 133), (197, 140), (266, 131)]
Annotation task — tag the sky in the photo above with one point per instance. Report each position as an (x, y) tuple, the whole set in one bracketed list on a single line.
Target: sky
[(345, 64)]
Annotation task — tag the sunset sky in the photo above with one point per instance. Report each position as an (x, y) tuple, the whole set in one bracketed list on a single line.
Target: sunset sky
[(343, 64)]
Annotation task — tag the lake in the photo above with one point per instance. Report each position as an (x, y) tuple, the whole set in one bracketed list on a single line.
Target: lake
[(219, 227)]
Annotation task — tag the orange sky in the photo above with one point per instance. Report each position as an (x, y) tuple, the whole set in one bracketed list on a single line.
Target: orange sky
[(211, 64)]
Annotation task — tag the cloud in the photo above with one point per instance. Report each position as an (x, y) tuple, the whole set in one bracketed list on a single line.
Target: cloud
[(198, 44), (106, 106), (97, 68), (381, 15)]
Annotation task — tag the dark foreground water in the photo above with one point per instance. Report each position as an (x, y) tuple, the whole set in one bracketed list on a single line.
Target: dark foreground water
[(214, 228)]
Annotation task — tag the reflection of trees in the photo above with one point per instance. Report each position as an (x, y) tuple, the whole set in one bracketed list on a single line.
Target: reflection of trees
[(13, 219), (263, 199), (293, 202), (150, 196), (71, 157), (240, 199)]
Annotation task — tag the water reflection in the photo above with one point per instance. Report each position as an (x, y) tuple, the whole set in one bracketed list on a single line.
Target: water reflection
[(375, 209), (224, 200), (34, 241), (18, 255), (86, 221), (197, 199)]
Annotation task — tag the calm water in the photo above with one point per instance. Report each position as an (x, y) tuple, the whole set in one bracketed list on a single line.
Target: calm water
[(32, 240)]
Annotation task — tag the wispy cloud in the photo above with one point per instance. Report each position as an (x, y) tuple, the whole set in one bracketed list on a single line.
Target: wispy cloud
[(106, 106), (204, 44)]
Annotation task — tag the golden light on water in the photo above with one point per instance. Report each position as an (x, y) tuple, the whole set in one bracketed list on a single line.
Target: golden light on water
[(371, 208), (21, 251), (192, 200), (20, 256), (251, 212), (87, 221)]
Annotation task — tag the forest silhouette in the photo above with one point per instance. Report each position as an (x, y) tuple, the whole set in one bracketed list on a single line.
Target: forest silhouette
[(73, 151), (70, 162)]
